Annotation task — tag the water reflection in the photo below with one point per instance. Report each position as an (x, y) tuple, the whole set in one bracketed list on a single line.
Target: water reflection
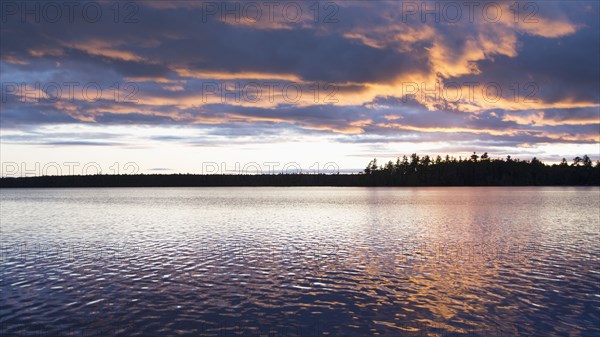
[(300, 262)]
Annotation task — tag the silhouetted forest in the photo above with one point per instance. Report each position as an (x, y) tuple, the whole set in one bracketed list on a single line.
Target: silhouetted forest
[(406, 171), (481, 171)]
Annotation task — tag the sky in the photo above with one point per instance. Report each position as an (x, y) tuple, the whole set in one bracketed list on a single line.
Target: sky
[(272, 86)]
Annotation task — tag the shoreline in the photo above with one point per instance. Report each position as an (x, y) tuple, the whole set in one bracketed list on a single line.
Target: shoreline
[(265, 180)]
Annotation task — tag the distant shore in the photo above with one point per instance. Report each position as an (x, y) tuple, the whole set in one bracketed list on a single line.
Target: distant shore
[(409, 171), (194, 180)]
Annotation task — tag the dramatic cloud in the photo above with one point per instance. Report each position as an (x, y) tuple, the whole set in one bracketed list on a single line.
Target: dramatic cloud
[(507, 76)]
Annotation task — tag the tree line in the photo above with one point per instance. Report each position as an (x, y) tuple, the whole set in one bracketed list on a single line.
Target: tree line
[(481, 171), (414, 170)]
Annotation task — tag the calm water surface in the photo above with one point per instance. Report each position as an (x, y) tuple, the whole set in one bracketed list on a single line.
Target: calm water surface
[(300, 262)]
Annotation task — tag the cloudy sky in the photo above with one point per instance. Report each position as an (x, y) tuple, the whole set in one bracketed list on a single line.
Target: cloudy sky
[(172, 86)]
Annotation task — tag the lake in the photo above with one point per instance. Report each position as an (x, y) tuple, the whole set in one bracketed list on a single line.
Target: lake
[(310, 261)]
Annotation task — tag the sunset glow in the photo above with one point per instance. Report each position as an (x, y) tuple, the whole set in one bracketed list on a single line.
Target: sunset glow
[(171, 85)]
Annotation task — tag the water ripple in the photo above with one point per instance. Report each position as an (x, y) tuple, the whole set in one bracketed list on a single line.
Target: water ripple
[(300, 262)]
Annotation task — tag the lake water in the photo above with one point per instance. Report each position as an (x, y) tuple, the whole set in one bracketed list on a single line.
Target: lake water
[(300, 262)]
